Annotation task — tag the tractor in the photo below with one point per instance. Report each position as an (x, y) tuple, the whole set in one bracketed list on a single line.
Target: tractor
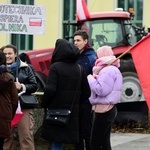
[(115, 29)]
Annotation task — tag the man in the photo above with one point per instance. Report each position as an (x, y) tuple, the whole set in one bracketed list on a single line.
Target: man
[(86, 60)]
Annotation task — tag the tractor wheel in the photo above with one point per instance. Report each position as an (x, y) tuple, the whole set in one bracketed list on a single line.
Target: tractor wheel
[(131, 91)]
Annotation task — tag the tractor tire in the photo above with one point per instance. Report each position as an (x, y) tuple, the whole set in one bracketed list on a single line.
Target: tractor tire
[(131, 91)]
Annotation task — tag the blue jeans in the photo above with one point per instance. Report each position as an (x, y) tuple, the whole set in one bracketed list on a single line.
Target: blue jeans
[(57, 146)]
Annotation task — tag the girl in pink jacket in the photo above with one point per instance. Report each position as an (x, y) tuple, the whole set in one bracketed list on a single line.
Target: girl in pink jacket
[(106, 84)]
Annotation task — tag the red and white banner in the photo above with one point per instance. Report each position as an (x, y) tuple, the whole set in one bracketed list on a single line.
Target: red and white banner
[(22, 19), (82, 12)]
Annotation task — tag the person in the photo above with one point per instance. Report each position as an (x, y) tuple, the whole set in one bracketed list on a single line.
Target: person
[(86, 60), (60, 90), (106, 85), (8, 100), (25, 81)]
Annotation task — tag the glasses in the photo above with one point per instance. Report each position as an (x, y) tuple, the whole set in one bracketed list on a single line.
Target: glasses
[(8, 53)]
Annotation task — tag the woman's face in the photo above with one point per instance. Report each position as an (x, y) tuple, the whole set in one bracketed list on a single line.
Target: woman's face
[(10, 55)]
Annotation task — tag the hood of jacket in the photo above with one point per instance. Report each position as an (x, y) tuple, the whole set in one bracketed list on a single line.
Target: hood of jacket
[(65, 52)]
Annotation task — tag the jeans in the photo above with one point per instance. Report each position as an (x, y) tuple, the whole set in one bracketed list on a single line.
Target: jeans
[(57, 146)]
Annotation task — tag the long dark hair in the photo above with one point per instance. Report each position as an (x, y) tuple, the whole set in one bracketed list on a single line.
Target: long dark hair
[(2, 58)]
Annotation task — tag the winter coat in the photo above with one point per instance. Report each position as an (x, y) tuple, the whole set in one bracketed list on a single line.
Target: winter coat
[(106, 88), (25, 75), (8, 103), (27, 78), (61, 88), (87, 59)]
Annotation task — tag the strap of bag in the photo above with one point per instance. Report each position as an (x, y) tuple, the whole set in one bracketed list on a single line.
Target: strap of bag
[(76, 88)]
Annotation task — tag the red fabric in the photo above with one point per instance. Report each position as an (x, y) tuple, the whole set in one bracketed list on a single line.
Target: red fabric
[(86, 11), (82, 12), (16, 119), (141, 57)]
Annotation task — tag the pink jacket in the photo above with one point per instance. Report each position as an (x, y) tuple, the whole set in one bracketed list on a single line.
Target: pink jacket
[(106, 87)]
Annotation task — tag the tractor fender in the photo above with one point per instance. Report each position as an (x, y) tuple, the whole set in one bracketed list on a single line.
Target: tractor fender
[(41, 78)]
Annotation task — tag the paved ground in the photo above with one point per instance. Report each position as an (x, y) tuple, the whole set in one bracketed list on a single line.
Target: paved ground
[(130, 141), (120, 141)]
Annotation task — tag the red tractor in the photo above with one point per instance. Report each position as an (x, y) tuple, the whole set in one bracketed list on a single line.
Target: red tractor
[(116, 30)]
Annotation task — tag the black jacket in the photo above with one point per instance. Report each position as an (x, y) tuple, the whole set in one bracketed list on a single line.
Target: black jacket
[(62, 81), (27, 78)]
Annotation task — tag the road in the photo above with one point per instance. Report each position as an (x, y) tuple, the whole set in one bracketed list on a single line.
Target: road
[(119, 141), (130, 141)]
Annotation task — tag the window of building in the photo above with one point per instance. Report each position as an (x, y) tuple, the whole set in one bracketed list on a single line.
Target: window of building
[(22, 41), (69, 10), (137, 5)]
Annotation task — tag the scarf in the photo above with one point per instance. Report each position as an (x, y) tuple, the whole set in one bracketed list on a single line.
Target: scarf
[(103, 62), (14, 68)]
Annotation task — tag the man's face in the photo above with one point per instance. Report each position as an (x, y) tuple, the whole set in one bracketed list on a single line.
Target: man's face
[(10, 55), (79, 42)]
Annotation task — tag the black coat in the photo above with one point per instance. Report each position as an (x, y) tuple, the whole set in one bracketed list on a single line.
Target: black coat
[(63, 78)]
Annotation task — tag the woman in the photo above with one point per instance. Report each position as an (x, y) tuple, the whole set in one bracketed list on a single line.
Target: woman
[(106, 85), (25, 81), (8, 100), (62, 81)]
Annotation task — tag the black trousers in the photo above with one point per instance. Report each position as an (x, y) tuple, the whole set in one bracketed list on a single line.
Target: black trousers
[(101, 130), (1, 143), (85, 127)]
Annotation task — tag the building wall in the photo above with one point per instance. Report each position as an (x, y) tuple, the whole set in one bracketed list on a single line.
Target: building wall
[(97, 5), (146, 13), (54, 19), (4, 38), (53, 24)]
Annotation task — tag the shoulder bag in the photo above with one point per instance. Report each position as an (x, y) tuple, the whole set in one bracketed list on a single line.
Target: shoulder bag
[(28, 101), (60, 116)]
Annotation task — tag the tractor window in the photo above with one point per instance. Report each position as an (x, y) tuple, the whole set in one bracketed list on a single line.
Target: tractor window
[(130, 32), (105, 32)]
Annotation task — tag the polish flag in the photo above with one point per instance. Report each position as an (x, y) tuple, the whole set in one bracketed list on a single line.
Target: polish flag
[(35, 22), (82, 10), (141, 57)]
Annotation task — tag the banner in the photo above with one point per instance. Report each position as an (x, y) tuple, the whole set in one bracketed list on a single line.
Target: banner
[(141, 57), (22, 19)]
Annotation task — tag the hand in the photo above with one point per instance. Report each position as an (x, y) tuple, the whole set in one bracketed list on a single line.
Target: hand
[(18, 85), (89, 76)]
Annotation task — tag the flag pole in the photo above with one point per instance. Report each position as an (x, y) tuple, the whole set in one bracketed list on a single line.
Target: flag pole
[(119, 57)]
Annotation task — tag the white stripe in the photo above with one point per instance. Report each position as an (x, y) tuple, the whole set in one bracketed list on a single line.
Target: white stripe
[(80, 10)]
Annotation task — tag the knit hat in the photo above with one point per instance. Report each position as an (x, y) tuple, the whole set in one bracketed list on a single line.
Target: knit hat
[(104, 51)]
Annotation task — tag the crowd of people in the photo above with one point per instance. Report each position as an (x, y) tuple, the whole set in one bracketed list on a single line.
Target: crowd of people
[(80, 79)]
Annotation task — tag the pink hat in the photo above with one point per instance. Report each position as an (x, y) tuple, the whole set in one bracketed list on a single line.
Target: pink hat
[(104, 51), (105, 56)]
